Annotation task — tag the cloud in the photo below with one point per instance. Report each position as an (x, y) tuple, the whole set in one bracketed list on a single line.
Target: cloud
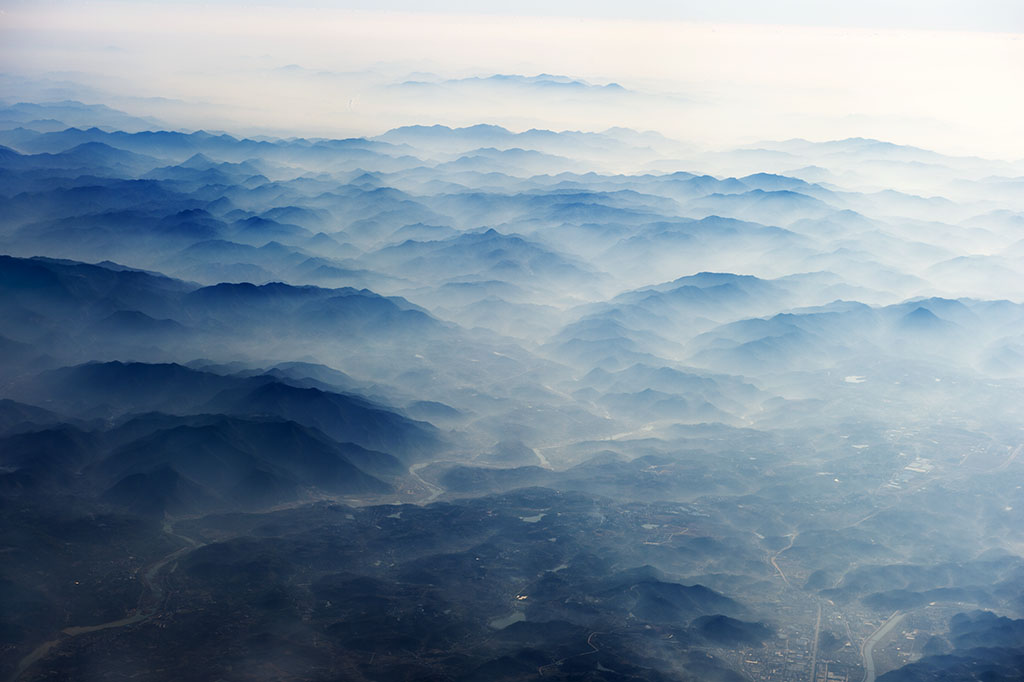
[(302, 70)]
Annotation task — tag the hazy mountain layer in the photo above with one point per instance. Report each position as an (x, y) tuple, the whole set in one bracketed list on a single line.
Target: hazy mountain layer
[(463, 404)]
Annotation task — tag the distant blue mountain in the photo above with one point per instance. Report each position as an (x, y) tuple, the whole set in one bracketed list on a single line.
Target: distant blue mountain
[(542, 82)]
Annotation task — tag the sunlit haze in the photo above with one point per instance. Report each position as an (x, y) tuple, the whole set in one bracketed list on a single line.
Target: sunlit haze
[(321, 71)]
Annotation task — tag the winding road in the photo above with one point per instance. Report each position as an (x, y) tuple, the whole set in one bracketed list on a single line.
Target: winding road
[(792, 538), (593, 650), (149, 581)]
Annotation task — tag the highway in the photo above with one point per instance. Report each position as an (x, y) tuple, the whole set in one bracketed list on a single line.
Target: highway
[(814, 646)]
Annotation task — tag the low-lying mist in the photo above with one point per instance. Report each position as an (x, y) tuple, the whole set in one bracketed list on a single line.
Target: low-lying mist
[(468, 403)]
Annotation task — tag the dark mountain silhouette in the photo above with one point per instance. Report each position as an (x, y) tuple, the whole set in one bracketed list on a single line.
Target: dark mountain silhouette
[(255, 463), (726, 631), (344, 418)]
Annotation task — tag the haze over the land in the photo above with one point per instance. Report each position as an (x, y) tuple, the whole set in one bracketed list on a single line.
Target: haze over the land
[(381, 344), (919, 73)]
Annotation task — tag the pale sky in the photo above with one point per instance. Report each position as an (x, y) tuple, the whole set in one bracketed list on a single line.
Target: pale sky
[(980, 15), (715, 73)]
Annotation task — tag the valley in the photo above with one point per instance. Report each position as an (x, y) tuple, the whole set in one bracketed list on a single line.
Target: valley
[(462, 403)]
